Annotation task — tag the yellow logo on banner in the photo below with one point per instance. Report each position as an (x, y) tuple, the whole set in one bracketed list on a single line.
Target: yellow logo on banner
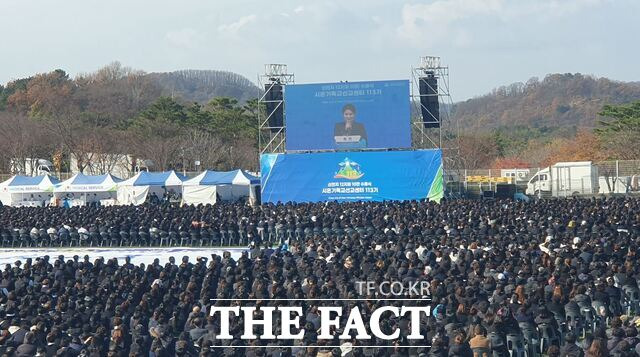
[(349, 170)]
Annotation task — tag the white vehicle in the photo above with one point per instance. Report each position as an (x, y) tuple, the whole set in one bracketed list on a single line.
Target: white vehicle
[(565, 179), (620, 184), (518, 175), (31, 167), (119, 165)]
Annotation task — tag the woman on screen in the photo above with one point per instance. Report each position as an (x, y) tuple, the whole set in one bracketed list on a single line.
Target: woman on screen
[(349, 131)]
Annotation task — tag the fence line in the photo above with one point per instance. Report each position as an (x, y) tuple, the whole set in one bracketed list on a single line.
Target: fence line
[(608, 177), (613, 177)]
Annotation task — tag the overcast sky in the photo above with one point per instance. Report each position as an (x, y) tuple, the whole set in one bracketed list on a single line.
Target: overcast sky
[(486, 43)]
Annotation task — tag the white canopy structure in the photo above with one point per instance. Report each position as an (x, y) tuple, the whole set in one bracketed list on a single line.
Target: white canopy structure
[(86, 189), (209, 186), (27, 190), (136, 189)]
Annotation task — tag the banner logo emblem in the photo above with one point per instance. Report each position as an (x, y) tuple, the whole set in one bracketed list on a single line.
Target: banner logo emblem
[(349, 170)]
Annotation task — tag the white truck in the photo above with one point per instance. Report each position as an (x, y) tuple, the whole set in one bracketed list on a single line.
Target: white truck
[(565, 179), (31, 167)]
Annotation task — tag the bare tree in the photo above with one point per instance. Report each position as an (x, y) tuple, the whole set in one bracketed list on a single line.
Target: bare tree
[(476, 151), (158, 141), (109, 154), (203, 146), (22, 142), (114, 94)]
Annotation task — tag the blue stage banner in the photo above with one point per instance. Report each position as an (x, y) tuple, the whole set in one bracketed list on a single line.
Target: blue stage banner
[(351, 115), (352, 176)]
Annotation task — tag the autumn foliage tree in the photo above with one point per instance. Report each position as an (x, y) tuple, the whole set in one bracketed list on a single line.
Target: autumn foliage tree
[(585, 146), (44, 95), (117, 111), (510, 163)]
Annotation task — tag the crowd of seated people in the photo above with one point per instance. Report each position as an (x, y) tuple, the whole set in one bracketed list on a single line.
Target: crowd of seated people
[(550, 277)]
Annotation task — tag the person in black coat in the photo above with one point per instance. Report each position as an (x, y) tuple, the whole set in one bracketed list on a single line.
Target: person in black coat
[(28, 347), (460, 347), (570, 349)]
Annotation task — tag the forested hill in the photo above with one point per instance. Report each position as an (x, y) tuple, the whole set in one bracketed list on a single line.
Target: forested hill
[(203, 85), (172, 119), (116, 83), (175, 119), (560, 103)]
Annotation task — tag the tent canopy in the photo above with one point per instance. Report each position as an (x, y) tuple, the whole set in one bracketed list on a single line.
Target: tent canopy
[(84, 183), (212, 178), (136, 189), (144, 178), (210, 186), (44, 180), (19, 184), (14, 189)]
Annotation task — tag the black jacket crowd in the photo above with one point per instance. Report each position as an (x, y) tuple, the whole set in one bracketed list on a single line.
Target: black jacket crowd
[(552, 277)]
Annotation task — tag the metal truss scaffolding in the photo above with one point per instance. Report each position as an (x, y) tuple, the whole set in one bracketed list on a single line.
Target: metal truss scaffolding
[(424, 135), (428, 130), (271, 132)]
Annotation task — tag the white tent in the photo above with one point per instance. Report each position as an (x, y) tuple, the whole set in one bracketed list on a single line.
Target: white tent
[(210, 186), (27, 190), (136, 189), (82, 189)]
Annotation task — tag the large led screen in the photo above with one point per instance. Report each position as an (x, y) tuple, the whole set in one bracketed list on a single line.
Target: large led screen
[(349, 115)]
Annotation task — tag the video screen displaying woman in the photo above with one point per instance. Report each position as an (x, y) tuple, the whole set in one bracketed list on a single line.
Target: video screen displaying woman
[(349, 132)]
